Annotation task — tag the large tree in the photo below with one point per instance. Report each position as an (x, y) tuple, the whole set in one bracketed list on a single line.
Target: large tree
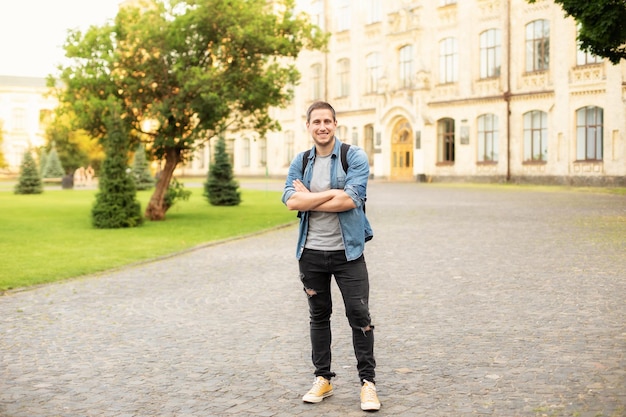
[(602, 26), (184, 71)]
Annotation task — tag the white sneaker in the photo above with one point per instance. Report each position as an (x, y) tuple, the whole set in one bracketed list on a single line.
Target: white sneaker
[(321, 389), (369, 398)]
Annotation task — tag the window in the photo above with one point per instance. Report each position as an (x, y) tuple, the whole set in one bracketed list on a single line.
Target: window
[(373, 11), (488, 138), (343, 76), (535, 136), (406, 66), (289, 147), (584, 57), (18, 119), (373, 72), (445, 140), (246, 152), (589, 132), (490, 59), (448, 61), (262, 152), (230, 151), (343, 15), (316, 82), (537, 45), (368, 144), (342, 133), (45, 118), (317, 14)]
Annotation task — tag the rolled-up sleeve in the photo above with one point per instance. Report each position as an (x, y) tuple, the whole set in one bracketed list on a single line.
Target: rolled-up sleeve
[(357, 176)]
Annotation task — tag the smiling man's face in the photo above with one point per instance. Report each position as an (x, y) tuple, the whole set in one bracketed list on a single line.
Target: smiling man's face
[(322, 128)]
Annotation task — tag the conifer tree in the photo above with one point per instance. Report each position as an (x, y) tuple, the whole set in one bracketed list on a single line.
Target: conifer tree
[(220, 187), (116, 205), (141, 170), (29, 181), (53, 168)]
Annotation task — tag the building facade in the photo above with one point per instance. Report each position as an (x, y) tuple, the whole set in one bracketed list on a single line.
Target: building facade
[(477, 90), (25, 110), (437, 90)]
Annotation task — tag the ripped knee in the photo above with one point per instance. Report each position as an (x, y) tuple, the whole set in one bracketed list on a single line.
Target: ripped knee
[(310, 292)]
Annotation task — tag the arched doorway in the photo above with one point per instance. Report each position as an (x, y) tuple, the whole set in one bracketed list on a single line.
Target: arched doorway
[(402, 151)]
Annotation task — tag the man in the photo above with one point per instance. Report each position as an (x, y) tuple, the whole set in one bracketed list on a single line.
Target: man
[(332, 235)]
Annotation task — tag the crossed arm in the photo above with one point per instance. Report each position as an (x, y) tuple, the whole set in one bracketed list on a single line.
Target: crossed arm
[(333, 200)]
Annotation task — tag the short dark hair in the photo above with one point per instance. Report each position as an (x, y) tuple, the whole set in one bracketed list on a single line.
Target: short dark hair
[(320, 105)]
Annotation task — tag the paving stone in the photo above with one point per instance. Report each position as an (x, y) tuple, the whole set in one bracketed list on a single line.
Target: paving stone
[(487, 301)]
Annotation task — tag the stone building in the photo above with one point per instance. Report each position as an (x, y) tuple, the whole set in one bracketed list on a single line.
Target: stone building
[(433, 90), (478, 90), (25, 110)]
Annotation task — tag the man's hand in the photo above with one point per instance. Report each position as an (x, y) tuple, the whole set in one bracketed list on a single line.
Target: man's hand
[(333, 200), (297, 184)]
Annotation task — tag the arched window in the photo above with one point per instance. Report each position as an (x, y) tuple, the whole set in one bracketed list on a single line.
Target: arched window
[(537, 45), (373, 72), (343, 78), (373, 11), (343, 15), (490, 55), (589, 133), (584, 57), (246, 152), (535, 136), (262, 152), (405, 67), (487, 138), (289, 146), (448, 61), (316, 82), (445, 140), (342, 133), (368, 143)]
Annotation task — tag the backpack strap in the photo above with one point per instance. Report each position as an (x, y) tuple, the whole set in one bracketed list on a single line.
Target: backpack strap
[(344, 157)]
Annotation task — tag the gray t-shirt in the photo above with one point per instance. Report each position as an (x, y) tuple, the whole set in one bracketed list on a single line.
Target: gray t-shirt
[(324, 230)]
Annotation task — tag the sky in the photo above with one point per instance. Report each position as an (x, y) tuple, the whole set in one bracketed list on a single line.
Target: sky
[(32, 32)]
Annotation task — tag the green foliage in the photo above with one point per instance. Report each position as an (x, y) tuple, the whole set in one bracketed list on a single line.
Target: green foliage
[(75, 147), (141, 170), (602, 26), (116, 205), (53, 167), (193, 67), (176, 191), (29, 181), (220, 187)]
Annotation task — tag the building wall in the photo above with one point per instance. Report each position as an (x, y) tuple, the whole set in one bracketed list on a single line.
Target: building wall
[(397, 121), (24, 108), (558, 90)]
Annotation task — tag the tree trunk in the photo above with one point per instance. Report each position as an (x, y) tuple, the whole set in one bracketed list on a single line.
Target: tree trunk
[(156, 207)]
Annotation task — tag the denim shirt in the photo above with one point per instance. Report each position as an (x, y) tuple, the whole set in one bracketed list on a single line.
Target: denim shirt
[(355, 228)]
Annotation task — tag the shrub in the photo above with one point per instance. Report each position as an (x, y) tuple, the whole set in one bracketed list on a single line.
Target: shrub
[(29, 181), (116, 205), (220, 187)]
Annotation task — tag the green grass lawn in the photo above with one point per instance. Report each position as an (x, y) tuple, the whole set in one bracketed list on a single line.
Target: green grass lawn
[(49, 237)]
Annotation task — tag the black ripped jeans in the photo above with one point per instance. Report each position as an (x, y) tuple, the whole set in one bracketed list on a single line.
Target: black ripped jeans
[(316, 269)]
